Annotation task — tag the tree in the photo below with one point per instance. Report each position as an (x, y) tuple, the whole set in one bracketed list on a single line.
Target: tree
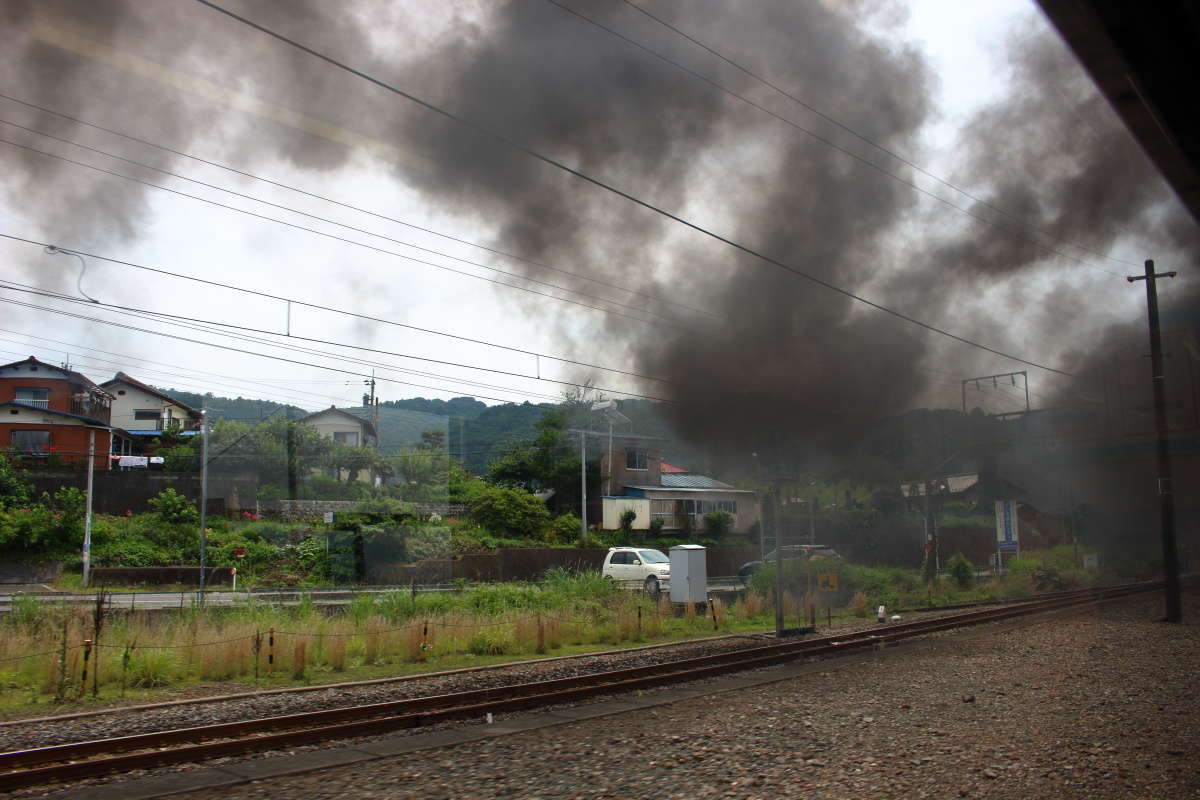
[(510, 512), (547, 462)]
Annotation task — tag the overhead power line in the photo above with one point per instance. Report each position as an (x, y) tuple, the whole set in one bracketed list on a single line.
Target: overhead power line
[(844, 127), (487, 132), (349, 206), (295, 348), (200, 376), (343, 239), (326, 220), (308, 364), (331, 309), (14, 286)]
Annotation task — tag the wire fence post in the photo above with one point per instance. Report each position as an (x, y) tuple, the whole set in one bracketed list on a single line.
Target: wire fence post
[(87, 654), (271, 651), (126, 658)]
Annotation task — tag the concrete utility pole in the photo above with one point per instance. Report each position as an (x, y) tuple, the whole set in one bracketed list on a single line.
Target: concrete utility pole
[(1174, 610), (582, 486), (87, 520), (776, 501), (203, 496)]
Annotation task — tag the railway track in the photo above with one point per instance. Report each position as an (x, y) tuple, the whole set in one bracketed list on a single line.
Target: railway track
[(79, 760)]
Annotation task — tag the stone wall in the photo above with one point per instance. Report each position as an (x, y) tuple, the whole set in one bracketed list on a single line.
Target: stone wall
[(13, 572)]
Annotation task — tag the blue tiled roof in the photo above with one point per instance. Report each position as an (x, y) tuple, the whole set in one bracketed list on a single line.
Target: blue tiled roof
[(676, 480)]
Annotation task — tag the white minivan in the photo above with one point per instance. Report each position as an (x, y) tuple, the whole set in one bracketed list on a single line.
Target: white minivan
[(638, 567)]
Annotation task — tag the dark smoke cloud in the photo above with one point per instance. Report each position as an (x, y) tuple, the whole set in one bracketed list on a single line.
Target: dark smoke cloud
[(788, 362)]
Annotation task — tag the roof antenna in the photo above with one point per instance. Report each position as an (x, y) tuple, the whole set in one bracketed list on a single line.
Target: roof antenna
[(53, 250)]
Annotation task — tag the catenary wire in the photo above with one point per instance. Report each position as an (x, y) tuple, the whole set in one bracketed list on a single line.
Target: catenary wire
[(198, 378), (318, 218), (333, 310), (164, 316), (349, 206), (512, 143), (343, 239), (320, 353), (837, 123), (230, 348)]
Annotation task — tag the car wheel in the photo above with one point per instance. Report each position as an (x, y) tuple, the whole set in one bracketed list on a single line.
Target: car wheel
[(651, 586)]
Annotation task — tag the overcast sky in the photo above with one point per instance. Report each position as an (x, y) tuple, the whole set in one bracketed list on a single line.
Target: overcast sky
[(175, 73)]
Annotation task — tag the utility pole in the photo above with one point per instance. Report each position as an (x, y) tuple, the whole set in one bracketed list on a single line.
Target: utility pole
[(1174, 610), (812, 519), (778, 559), (582, 486), (87, 520), (203, 496)]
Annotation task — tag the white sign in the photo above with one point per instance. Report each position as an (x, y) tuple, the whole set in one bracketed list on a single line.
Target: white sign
[(329, 517), (1007, 535), (1091, 561)]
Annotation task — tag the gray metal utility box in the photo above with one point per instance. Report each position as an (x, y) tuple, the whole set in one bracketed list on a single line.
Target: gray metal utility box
[(689, 574)]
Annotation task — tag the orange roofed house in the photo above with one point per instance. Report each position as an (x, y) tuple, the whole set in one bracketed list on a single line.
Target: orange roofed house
[(47, 411)]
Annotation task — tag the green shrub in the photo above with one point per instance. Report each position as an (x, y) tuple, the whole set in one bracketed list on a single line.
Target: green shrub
[(510, 512), (14, 489), (49, 529), (625, 526), (174, 509), (564, 529), (961, 570), (656, 528), (718, 524)]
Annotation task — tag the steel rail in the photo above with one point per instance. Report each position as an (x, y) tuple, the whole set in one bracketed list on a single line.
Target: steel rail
[(73, 761)]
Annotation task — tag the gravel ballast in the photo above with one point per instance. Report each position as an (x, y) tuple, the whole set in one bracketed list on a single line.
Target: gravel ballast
[(1100, 705)]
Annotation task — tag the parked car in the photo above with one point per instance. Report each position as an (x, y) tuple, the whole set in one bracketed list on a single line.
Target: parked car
[(791, 552), (638, 567)]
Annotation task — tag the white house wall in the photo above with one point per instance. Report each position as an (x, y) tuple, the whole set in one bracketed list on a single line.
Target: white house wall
[(124, 405), (614, 507)]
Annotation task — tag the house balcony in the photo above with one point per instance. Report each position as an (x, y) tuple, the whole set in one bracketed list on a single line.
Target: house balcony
[(91, 409), (42, 403)]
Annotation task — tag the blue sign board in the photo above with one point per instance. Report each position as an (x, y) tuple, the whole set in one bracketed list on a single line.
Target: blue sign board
[(1007, 536)]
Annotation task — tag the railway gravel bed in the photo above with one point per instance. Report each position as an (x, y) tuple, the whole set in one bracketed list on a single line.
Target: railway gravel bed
[(121, 722), (1096, 706)]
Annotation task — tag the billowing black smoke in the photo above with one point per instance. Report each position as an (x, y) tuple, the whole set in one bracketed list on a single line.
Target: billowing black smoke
[(781, 361)]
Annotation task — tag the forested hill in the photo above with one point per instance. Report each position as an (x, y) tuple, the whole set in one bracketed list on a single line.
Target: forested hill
[(476, 433), (242, 409)]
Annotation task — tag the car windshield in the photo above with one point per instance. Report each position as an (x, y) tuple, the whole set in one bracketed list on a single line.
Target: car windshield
[(653, 557)]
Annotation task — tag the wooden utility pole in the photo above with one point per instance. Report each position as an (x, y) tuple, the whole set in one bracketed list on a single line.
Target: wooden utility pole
[(1174, 610)]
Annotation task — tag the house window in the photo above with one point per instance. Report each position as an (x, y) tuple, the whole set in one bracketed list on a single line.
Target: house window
[(145, 413), (31, 443), (635, 459), (33, 397), (346, 437)]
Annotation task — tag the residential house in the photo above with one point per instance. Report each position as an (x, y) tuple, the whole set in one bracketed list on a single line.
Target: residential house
[(145, 413), (344, 428), (634, 476), (47, 411)]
